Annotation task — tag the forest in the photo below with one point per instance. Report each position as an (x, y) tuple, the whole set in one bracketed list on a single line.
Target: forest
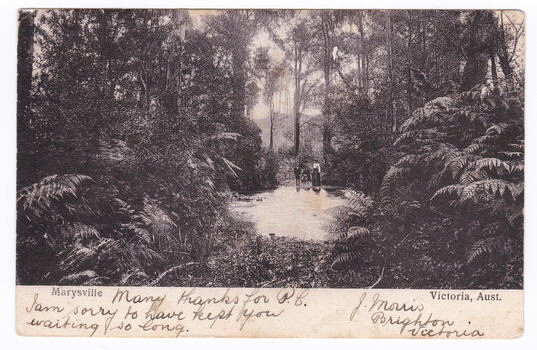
[(137, 129)]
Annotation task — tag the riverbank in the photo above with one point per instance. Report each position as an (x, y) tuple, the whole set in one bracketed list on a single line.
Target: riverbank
[(246, 259), (274, 238)]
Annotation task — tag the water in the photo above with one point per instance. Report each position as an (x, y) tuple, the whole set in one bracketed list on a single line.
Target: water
[(288, 211)]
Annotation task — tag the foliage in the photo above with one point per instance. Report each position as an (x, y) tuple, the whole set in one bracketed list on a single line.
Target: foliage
[(129, 146), (354, 242), (360, 153), (134, 125), (468, 150)]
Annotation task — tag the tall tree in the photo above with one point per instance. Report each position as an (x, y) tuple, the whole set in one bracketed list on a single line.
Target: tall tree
[(297, 44), (234, 30), (410, 100), (273, 85), (271, 74), (363, 68), (328, 24), (510, 32), (389, 51), (25, 53)]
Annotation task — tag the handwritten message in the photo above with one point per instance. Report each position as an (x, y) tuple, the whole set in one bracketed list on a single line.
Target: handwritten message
[(188, 312), (410, 318)]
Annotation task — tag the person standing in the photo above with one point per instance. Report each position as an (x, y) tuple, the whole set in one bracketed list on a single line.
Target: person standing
[(316, 181), (297, 175)]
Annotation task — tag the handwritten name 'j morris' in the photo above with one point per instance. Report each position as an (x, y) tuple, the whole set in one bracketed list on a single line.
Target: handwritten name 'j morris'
[(411, 318)]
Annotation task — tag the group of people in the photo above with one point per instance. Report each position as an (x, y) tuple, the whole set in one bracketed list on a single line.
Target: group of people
[(304, 174)]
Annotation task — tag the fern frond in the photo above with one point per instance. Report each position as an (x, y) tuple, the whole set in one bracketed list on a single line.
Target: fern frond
[(230, 166), (476, 148), (441, 151), (486, 139), (518, 146), (436, 179), (340, 212), (419, 134), (491, 245), (78, 257), (449, 190), (133, 277), (497, 129), (124, 207), (146, 255), (115, 151), (408, 160), (492, 164), (516, 166), (392, 176), (356, 232), (488, 186), (512, 154), (39, 196), (456, 164), (442, 103), (429, 112), (470, 176), (82, 208), (78, 278), (345, 258), (358, 200), (79, 233)]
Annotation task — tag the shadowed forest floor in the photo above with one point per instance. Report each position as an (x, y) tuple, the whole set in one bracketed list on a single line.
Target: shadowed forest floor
[(251, 260)]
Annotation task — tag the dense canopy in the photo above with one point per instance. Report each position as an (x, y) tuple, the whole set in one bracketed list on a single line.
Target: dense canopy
[(136, 128)]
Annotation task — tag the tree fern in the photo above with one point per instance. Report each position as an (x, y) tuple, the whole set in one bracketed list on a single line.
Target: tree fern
[(469, 149), (85, 253), (392, 178), (346, 228), (430, 113)]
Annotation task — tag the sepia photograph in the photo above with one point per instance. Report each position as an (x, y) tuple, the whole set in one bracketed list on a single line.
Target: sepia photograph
[(270, 148)]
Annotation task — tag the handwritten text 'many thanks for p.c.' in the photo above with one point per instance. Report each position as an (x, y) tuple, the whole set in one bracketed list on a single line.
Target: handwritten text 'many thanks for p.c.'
[(127, 311)]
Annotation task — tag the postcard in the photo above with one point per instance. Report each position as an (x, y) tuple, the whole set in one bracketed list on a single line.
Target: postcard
[(270, 173)]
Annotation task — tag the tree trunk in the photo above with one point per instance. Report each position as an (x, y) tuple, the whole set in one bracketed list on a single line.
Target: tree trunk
[(25, 137), (482, 35), (25, 60), (409, 65), (327, 65), (238, 102), (271, 116), (503, 55), (296, 102), (494, 72), (297, 123), (475, 70), (423, 38), (363, 54), (389, 49)]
